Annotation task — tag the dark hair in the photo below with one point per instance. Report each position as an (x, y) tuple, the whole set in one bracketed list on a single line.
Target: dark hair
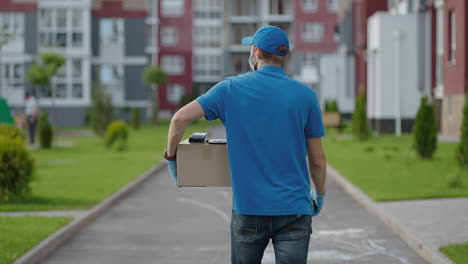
[(276, 58)]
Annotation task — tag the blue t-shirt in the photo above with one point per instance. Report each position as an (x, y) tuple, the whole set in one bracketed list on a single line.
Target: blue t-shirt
[(268, 117)]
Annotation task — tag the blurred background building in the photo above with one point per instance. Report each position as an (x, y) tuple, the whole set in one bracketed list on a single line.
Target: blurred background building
[(109, 42), (392, 51)]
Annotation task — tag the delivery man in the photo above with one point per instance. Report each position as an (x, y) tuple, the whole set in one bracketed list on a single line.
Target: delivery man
[(272, 122)]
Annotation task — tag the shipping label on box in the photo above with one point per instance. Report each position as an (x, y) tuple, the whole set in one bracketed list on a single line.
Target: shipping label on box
[(202, 165)]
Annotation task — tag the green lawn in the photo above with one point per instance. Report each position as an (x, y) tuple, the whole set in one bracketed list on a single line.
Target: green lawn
[(84, 174), (387, 168), (28, 231), (457, 253)]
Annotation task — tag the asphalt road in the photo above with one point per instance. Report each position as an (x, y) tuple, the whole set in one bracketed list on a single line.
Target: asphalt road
[(160, 223)]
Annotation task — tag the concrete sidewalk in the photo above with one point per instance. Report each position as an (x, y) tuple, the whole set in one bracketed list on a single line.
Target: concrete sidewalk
[(160, 223), (438, 222)]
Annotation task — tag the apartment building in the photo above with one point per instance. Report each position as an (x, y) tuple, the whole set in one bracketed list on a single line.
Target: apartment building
[(102, 41), (455, 64), (197, 43)]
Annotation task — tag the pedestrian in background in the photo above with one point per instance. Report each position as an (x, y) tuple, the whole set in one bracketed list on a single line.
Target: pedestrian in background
[(272, 122), (31, 111)]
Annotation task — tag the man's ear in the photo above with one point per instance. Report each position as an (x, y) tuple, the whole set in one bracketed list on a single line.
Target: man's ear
[(258, 53)]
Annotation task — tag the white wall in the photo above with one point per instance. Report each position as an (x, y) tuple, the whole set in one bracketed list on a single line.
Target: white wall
[(390, 69), (336, 82)]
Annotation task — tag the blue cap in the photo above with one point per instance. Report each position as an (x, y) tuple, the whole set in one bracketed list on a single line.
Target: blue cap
[(268, 38)]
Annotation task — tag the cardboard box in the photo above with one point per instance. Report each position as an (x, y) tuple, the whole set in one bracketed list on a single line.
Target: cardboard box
[(202, 165)]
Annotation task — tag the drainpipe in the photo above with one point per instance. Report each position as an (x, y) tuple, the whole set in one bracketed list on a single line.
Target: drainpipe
[(397, 37)]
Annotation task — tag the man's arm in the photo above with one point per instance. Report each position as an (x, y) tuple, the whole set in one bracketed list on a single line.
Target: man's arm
[(317, 163), (189, 113)]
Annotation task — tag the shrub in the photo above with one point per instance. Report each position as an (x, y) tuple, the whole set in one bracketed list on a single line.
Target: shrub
[(136, 118), (360, 123), (117, 135), (16, 168), (425, 130), (462, 150), (331, 106), (101, 112), (46, 132), (12, 132)]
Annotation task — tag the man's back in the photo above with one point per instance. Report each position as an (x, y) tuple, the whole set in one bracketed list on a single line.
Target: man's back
[(268, 117)]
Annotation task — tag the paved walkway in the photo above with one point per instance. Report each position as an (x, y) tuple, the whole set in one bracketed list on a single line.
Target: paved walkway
[(438, 222), (161, 223)]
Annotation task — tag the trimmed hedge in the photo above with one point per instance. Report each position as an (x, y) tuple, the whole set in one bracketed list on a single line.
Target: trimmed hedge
[(16, 168), (425, 130), (360, 122), (117, 135), (46, 132), (462, 150), (136, 120)]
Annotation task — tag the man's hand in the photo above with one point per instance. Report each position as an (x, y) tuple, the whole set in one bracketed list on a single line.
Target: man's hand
[(317, 202), (172, 166)]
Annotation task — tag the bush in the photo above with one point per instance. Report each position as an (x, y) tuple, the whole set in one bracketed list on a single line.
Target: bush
[(101, 112), (117, 135), (12, 132), (46, 132), (462, 150), (360, 123), (425, 130), (331, 107), (136, 120), (16, 168)]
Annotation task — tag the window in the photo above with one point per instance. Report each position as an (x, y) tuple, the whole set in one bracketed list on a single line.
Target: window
[(173, 64), (12, 75), (208, 8), (440, 48), (11, 26), (175, 93), (280, 7), (111, 75), (61, 27), (169, 36), (333, 5), (312, 32), (207, 66), (112, 31), (207, 36), (309, 59), (172, 8), (310, 5), (453, 37)]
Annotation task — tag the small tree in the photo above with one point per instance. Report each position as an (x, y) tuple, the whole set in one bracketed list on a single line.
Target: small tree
[(41, 74), (46, 132), (425, 130), (462, 150), (101, 111), (360, 122), (154, 76)]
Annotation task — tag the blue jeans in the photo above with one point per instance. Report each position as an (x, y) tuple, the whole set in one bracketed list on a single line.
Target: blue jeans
[(251, 234)]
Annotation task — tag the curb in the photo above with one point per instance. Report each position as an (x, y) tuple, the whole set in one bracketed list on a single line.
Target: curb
[(428, 252), (44, 248)]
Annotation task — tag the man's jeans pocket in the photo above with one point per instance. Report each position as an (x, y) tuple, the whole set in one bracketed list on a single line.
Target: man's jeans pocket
[(245, 227), (295, 227)]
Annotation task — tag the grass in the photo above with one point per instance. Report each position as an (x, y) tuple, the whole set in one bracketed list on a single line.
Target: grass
[(388, 169), (80, 176), (28, 231), (457, 253)]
